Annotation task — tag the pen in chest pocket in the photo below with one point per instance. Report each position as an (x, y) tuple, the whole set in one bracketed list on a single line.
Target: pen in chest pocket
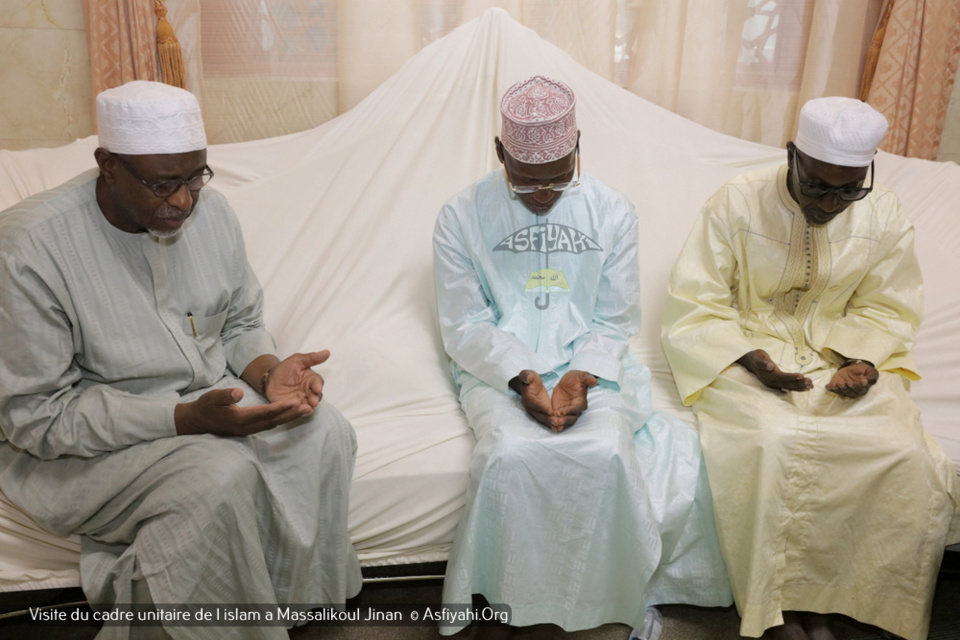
[(193, 326)]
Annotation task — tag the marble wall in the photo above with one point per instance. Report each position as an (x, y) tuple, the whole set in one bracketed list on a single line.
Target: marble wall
[(44, 74), (45, 78)]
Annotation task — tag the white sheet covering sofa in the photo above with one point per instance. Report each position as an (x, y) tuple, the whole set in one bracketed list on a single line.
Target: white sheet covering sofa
[(338, 223)]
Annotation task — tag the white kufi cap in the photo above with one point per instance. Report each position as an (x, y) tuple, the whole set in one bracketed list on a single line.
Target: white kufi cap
[(146, 118), (840, 131)]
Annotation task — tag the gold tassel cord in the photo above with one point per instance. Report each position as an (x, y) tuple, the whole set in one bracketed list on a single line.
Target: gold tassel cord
[(873, 53), (168, 49)]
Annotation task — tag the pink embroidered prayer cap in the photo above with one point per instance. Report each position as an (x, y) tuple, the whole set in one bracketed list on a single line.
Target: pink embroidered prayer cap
[(539, 121)]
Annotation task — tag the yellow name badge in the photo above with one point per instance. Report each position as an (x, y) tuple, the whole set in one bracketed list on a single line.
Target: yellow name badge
[(547, 280)]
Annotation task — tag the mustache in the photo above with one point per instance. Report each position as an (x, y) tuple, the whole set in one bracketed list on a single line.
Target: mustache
[(170, 212)]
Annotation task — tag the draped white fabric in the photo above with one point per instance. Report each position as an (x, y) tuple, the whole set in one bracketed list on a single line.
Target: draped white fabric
[(338, 223), (741, 67)]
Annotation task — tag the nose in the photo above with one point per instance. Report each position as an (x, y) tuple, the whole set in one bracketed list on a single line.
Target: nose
[(830, 202), (181, 198), (543, 196)]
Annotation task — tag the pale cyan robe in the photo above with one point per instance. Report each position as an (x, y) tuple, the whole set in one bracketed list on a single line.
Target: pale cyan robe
[(98, 348), (590, 525), (823, 503)]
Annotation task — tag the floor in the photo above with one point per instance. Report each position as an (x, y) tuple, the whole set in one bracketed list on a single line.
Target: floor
[(399, 600)]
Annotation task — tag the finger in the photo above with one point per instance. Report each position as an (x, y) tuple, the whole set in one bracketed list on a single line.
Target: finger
[(797, 380), (306, 408), (568, 420), (268, 414), (314, 393), (315, 384), (536, 396), (764, 361), (538, 414), (313, 399), (314, 358), (838, 384), (288, 416), (225, 397), (795, 385), (858, 388), (538, 409), (589, 380), (529, 376), (571, 408), (847, 391)]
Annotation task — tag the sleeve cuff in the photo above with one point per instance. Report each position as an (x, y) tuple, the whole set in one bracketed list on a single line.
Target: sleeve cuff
[(859, 343), (606, 368), (248, 347)]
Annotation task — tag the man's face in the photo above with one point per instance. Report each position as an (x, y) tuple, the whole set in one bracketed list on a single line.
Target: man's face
[(521, 174), (132, 206), (813, 173)]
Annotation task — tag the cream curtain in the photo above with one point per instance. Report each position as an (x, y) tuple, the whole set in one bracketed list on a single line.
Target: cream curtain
[(916, 55), (746, 67), (742, 67)]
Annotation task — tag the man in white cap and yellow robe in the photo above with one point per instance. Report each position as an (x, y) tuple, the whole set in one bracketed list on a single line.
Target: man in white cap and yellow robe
[(142, 403), (788, 326), (585, 505)]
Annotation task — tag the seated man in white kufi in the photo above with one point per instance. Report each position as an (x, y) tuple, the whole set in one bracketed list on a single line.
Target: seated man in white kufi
[(142, 403), (585, 505), (789, 321)]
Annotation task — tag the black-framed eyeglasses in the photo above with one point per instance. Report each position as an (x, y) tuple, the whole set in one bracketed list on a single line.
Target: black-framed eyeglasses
[(525, 189), (818, 190), (166, 188)]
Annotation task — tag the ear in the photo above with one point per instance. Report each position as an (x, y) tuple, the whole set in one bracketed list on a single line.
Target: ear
[(499, 147), (107, 163)]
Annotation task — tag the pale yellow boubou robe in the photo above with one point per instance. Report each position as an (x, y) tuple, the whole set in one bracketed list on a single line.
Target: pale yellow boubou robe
[(823, 503)]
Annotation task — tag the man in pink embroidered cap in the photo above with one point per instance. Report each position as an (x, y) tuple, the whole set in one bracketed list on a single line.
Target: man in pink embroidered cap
[(539, 143), (566, 522)]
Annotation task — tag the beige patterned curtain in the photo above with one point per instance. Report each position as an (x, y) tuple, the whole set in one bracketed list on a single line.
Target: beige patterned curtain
[(910, 73), (121, 36)]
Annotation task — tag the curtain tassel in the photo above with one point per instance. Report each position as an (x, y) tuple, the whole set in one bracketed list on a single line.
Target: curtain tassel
[(168, 49)]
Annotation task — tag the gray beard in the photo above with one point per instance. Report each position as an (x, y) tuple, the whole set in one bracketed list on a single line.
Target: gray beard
[(168, 234), (164, 234)]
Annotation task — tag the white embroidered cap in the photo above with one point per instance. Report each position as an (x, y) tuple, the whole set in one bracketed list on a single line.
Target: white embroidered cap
[(539, 122), (145, 118), (841, 131)]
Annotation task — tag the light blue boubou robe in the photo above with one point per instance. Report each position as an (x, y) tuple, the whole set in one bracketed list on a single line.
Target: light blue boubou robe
[(590, 525)]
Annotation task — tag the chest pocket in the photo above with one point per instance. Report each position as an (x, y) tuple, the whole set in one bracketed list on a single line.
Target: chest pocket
[(205, 330)]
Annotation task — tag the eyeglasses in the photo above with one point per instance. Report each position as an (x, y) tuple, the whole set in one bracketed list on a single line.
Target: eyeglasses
[(553, 186), (166, 188), (818, 190)]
